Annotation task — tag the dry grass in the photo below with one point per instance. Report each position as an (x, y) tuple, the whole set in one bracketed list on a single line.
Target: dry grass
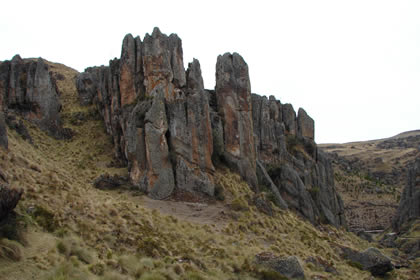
[(95, 234)]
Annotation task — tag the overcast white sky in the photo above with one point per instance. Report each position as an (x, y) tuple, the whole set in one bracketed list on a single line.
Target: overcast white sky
[(354, 66)]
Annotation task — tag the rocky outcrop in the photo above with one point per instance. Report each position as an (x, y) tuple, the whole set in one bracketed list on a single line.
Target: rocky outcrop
[(171, 132), (303, 175), (409, 207), (306, 125), (86, 88), (371, 259), (27, 88), (157, 113), (233, 93), (191, 136)]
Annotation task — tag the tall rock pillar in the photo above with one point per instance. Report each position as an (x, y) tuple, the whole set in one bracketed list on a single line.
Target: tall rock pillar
[(233, 92)]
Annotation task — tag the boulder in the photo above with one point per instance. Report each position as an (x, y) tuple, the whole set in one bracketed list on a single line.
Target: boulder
[(371, 259), (233, 92), (289, 267), (9, 198), (108, 182)]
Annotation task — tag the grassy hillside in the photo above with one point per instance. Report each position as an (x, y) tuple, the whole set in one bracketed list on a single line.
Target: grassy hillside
[(67, 229), (370, 176)]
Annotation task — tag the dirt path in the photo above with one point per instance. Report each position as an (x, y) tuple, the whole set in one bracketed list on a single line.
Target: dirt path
[(196, 212)]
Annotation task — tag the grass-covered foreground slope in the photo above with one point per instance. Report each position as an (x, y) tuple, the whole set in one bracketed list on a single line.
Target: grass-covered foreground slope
[(67, 229)]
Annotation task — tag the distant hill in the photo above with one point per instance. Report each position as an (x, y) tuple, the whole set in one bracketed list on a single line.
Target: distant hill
[(370, 176)]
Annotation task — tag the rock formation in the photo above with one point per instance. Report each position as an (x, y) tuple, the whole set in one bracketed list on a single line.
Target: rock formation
[(170, 131), (371, 259), (409, 207), (303, 174), (233, 93), (9, 198), (27, 88), (3, 132)]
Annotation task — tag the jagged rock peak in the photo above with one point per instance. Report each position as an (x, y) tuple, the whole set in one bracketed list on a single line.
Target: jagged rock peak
[(194, 77), (233, 93)]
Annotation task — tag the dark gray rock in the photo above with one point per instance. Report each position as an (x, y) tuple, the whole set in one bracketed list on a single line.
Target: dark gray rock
[(177, 61), (4, 83), (371, 259), (3, 132), (302, 174), (289, 267), (159, 180), (264, 178), (86, 87), (233, 92), (31, 91), (127, 71), (108, 182), (9, 198), (289, 118), (191, 137), (269, 130), (263, 205), (171, 132), (409, 207), (306, 125), (18, 125)]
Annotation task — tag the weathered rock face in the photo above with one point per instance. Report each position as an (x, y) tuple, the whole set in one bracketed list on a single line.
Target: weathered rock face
[(170, 131), (160, 123), (86, 87), (302, 174), (27, 88), (191, 135), (409, 207), (3, 132), (306, 126), (233, 92)]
